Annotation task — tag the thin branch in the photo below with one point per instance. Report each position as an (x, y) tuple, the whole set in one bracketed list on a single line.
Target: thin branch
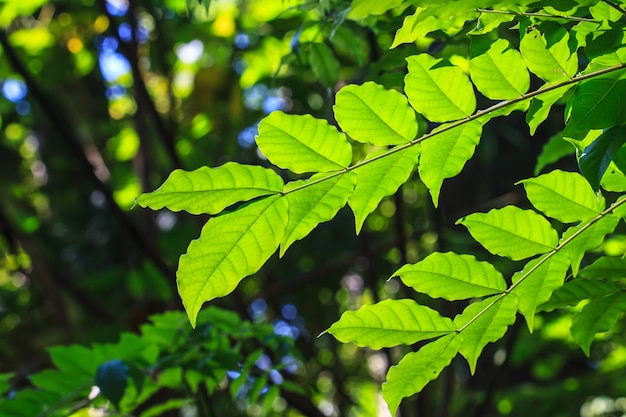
[(615, 6), (543, 15)]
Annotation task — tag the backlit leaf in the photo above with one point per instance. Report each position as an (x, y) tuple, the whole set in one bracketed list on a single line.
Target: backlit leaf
[(303, 143), (379, 178), (596, 157), (605, 267), (315, 204), (547, 53), (565, 196), (438, 90), (511, 232), (592, 237), (323, 63), (230, 247), (536, 282), (598, 316), (452, 276), (540, 106), (417, 369), (390, 323), (444, 155), (577, 290), (554, 150), (498, 70), (211, 190), (371, 114), (486, 322)]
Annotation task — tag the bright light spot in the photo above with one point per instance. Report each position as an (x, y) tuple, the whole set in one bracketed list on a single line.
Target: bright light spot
[(182, 84), (247, 137), (326, 408), (125, 32), (108, 44), (505, 406), (97, 198), (276, 377), (289, 311), (242, 41), (499, 357), (113, 65), (264, 362), (74, 45), (233, 374), (14, 90), (189, 53), (117, 7), (257, 309), (378, 365), (166, 220), (95, 391)]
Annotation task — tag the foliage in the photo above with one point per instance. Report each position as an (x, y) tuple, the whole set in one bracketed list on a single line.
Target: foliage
[(552, 43)]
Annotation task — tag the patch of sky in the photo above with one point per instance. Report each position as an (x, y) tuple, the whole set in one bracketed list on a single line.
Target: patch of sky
[(117, 7), (190, 53)]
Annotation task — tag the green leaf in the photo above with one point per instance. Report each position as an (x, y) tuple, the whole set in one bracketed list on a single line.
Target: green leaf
[(211, 190), (303, 143), (111, 378), (565, 196), (417, 369), (511, 232), (390, 323), (452, 276), (360, 9), (554, 150), (589, 239), (315, 204), (230, 247), (605, 267), (540, 106), (498, 70), (547, 53), (596, 104), (323, 63), (598, 316), (379, 177), (577, 290), (438, 90), (596, 157), (613, 179), (371, 114), (536, 282), (484, 322), (445, 155)]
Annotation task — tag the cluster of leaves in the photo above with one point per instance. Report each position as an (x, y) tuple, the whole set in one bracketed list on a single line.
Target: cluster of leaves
[(573, 52), (166, 367)]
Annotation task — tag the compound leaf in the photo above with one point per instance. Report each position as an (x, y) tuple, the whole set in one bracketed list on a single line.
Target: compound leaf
[(231, 246), (577, 290), (211, 190), (371, 114), (511, 232), (303, 143), (390, 323), (452, 276), (547, 54)]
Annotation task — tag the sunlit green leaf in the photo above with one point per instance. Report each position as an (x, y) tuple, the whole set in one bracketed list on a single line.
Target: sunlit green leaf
[(511, 232), (230, 247), (371, 114), (323, 63), (445, 155), (498, 70), (565, 196), (360, 9), (315, 204), (379, 178), (484, 322), (536, 282), (211, 190), (438, 90), (577, 290), (390, 323), (303, 143), (547, 53), (417, 369), (605, 267), (613, 179), (554, 150), (592, 237), (595, 159), (452, 276), (540, 107), (598, 316)]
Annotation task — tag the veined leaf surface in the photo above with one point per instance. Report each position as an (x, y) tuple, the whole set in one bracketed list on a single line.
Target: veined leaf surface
[(540, 106), (536, 282), (230, 247), (498, 70), (379, 178), (547, 54), (452, 276), (445, 155), (303, 143), (512, 232), (390, 323), (589, 239), (565, 196), (315, 204), (486, 322), (371, 114), (598, 316), (438, 90), (605, 267), (211, 190), (577, 290), (417, 369)]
